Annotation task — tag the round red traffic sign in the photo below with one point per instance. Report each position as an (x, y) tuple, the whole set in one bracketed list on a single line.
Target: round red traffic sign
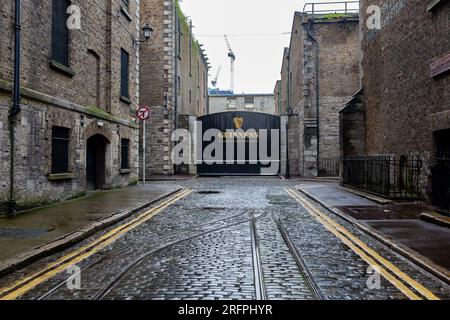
[(143, 113)]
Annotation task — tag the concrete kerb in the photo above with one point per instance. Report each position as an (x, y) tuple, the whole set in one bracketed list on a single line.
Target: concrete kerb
[(436, 219), (368, 196), (22, 260), (421, 261)]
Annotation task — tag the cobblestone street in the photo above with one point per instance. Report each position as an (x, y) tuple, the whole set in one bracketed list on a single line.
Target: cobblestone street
[(226, 238)]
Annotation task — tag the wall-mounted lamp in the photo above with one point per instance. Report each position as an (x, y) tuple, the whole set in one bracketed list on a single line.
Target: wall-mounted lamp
[(147, 31)]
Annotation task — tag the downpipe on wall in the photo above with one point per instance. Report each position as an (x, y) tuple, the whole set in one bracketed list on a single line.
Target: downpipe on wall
[(316, 42), (15, 109)]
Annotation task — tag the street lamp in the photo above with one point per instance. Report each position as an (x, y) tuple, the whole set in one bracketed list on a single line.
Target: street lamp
[(147, 31)]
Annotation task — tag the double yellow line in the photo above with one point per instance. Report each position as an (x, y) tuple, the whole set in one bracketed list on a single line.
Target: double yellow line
[(388, 270), (22, 286)]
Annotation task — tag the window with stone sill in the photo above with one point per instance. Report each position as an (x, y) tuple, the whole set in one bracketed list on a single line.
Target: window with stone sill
[(60, 150), (125, 154), (232, 103), (249, 102), (124, 74), (60, 32)]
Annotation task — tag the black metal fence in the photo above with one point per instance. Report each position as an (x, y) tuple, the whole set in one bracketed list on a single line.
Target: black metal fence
[(387, 176), (441, 184), (329, 167)]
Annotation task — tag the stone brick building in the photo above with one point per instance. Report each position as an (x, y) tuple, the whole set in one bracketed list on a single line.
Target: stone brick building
[(277, 93), (174, 80), (75, 131), (406, 86), (284, 82), (263, 103), (320, 73)]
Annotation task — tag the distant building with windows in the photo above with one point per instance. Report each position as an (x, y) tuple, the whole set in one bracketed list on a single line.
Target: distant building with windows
[(320, 72), (75, 130), (263, 103)]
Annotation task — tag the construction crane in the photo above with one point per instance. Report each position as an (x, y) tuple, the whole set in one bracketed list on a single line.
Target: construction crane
[(232, 57), (214, 82)]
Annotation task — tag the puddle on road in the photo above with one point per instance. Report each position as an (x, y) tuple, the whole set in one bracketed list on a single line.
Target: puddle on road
[(279, 200), (21, 233)]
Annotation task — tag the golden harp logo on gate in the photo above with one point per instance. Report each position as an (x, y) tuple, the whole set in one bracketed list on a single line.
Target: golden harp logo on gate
[(238, 122)]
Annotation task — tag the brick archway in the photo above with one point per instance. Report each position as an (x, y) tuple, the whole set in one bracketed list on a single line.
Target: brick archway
[(96, 162)]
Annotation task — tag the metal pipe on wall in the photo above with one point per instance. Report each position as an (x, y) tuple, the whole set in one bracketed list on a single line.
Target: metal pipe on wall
[(314, 39), (15, 109)]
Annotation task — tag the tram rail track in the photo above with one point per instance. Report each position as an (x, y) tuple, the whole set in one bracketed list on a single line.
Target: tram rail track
[(301, 264), (103, 293), (258, 273), (147, 255)]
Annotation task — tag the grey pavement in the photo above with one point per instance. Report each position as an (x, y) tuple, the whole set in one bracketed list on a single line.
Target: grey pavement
[(333, 196), (398, 222), (35, 228)]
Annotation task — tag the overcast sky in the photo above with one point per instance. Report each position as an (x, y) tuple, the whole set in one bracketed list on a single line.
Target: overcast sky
[(255, 29)]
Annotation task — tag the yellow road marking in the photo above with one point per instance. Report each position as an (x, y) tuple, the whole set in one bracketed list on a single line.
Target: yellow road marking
[(343, 233), (22, 286)]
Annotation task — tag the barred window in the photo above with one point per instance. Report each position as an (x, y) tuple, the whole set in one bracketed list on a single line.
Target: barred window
[(125, 153), (124, 73), (232, 103), (60, 32), (249, 102), (60, 150)]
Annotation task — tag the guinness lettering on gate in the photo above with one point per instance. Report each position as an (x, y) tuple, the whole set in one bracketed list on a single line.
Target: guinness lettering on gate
[(239, 134), (239, 143)]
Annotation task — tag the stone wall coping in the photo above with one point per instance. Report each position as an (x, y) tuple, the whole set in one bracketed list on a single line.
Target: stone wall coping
[(91, 111)]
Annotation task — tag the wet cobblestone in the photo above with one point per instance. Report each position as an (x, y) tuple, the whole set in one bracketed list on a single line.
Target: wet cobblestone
[(282, 277), (200, 248)]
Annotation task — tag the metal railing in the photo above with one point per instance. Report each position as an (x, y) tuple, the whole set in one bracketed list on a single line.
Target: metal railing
[(387, 176), (343, 7), (441, 184), (329, 167)]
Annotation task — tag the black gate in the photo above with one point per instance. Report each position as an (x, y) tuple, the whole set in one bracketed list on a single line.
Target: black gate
[(244, 127), (441, 184)]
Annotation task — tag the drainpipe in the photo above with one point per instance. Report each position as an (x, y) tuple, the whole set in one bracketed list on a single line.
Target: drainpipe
[(289, 112), (314, 39), (15, 109), (177, 52)]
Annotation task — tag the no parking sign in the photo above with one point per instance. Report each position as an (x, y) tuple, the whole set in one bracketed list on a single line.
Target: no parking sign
[(143, 113)]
